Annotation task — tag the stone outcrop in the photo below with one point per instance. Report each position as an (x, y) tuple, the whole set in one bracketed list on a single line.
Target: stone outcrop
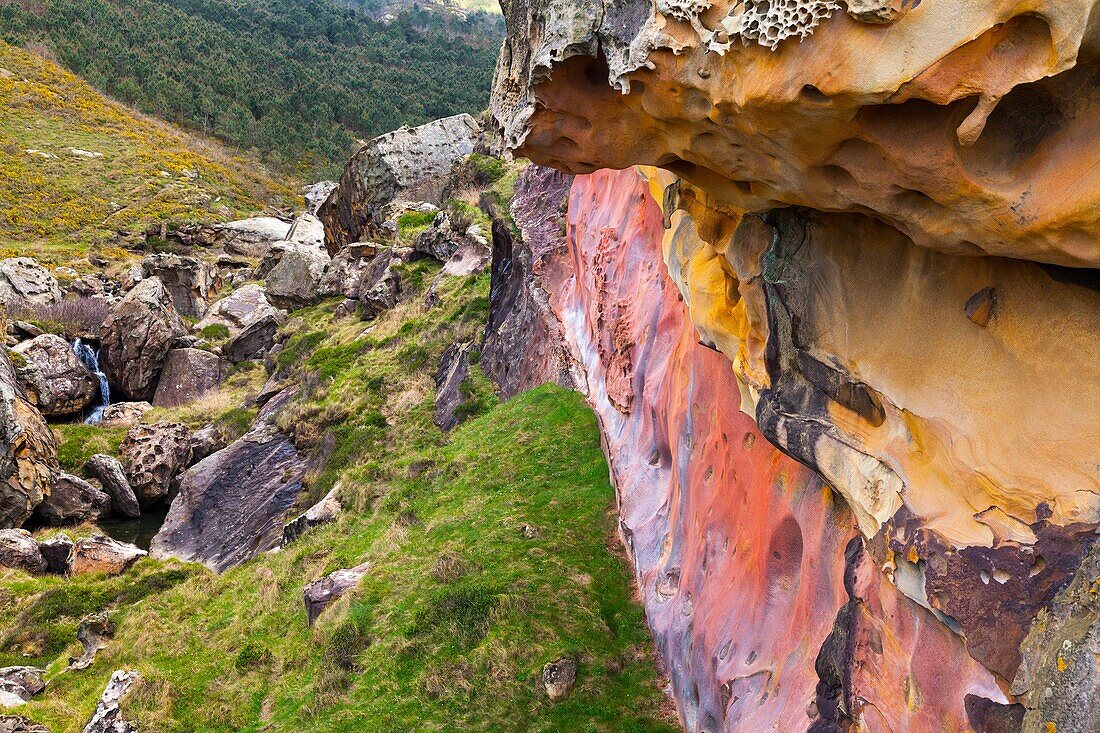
[(344, 273), (439, 240), (52, 377), (19, 724), (295, 281), (19, 684), (99, 554), (112, 477), (323, 512), (108, 716), (252, 237), (28, 451), (25, 283), (19, 551), (56, 552), (94, 632), (380, 285), (187, 375), (231, 505), (190, 281), (154, 456), (241, 308), (317, 194), (136, 338), (454, 369), (320, 593), (254, 340), (881, 224), (407, 164), (73, 500)]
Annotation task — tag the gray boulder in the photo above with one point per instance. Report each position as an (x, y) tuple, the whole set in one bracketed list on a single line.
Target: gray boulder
[(93, 633), (244, 306), (317, 194), (410, 164), (380, 287), (136, 338), (28, 451), (56, 551), (101, 554), (254, 340), (439, 240), (323, 512), (154, 456), (73, 500), (124, 413), (19, 551), (190, 281), (295, 281), (454, 369), (187, 375), (24, 282), (230, 506), (52, 376), (252, 237), (18, 724), (112, 476), (108, 715), (19, 684), (320, 593), (344, 274)]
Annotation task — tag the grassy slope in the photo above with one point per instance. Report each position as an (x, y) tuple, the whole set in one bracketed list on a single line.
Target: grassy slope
[(451, 629), (55, 208)]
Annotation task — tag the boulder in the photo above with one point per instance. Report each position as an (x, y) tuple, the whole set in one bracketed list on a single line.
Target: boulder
[(323, 512), (28, 451), (154, 456), (255, 340), (124, 413), (320, 593), (190, 281), (101, 554), (19, 684), (112, 476), (454, 369), (252, 237), (344, 274), (295, 281), (439, 240), (558, 678), (22, 330), (206, 440), (308, 230), (380, 286), (19, 551), (17, 724), (108, 715), (471, 256), (187, 375), (136, 339), (231, 505), (56, 552), (73, 500), (24, 282), (93, 633), (411, 164), (317, 194), (53, 378), (244, 306)]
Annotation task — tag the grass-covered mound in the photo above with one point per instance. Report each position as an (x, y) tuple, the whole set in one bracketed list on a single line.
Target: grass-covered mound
[(492, 552), (56, 203)]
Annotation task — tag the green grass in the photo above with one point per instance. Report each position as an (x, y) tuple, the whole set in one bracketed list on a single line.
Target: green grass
[(452, 626), (78, 442)]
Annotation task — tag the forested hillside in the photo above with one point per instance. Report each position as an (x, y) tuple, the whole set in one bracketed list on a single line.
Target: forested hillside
[(297, 80)]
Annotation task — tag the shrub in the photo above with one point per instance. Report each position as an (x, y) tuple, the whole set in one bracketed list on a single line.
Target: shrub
[(215, 332), (459, 615), (71, 317), (252, 655)]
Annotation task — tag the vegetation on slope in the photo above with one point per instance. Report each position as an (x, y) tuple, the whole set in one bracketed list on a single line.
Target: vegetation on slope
[(462, 607), (297, 80), (55, 204)]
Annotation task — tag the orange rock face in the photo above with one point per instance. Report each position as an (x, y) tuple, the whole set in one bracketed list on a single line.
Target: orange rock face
[(883, 221), (740, 551)]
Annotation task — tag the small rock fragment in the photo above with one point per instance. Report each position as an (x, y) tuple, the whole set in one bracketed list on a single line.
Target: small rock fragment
[(558, 678), (981, 306), (320, 593)]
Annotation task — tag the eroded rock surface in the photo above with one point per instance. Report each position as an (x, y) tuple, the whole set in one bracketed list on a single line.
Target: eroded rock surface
[(154, 456), (108, 716), (187, 375), (136, 338), (190, 281), (28, 451), (73, 500), (52, 377), (410, 164), (99, 554), (25, 283), (231, 505)]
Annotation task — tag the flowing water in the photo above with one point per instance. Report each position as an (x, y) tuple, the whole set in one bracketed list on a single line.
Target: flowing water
[(90, 358)]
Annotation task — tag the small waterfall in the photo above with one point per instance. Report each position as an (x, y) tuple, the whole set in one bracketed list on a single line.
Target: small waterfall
[(90, 358)]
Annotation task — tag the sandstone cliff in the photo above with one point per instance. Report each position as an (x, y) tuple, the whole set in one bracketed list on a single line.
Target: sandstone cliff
[(879, 226)]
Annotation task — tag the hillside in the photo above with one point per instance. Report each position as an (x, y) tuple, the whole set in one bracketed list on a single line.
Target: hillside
[(297, 80), (77, 168)]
